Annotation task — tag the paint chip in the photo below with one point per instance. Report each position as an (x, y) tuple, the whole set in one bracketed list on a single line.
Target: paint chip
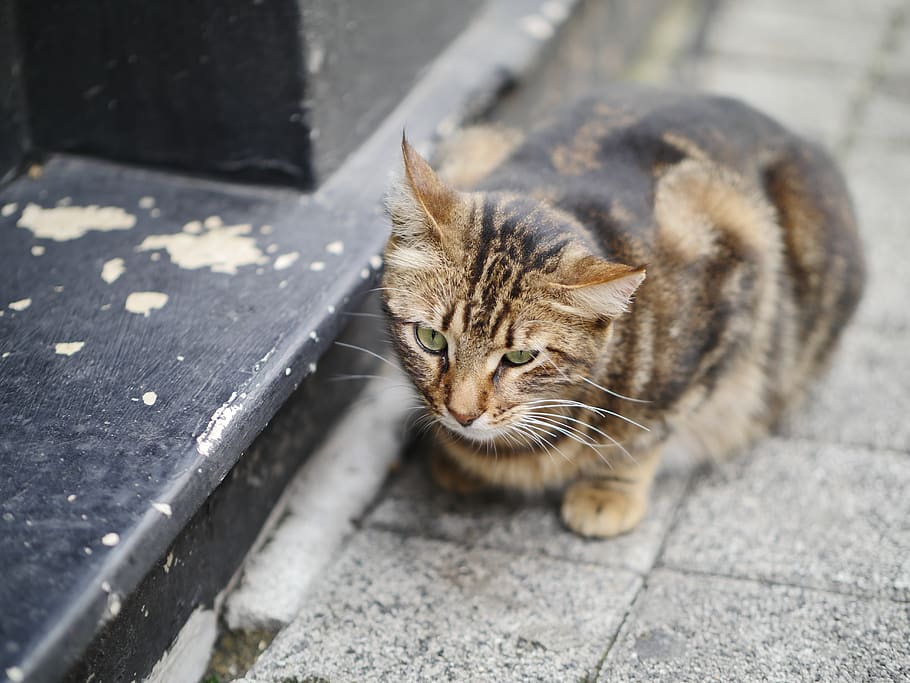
[(364, 273), (286, 260), (221, 248), (213, 222), (20, 305), (287, 371), (271, 249), (114, 604), (266, 230), (15, 674), (376, 262), (336, 247), (149, 398), (5, 354), (72, 222), (168, 562), (68, 348), (330, 308), (317, 266), (143, 303), (146, 202), (111, 539), (537, 27), (71, 497), (112, 269), (180, 359), (37, 250), (154, 213), (163, 508), (314, 336), (311, 367), (87, 550), (8, 209)]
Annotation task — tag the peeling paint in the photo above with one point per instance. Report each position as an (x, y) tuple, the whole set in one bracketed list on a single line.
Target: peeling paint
[(214, 432), (5, 354), (163, 508), (71, 498), (213, 222), (146, 202), (286, 260), (376, 262), (311, 367), (68, 348), (9, 209), (111, 539), (330, 309), (537, 27), (112, 269), (168, 562), (271, 249), (72, 222), (287, 372), (149, 398), (37, 250), (15, 674), (266, 230), (317, 266), (365, 273), (114, 603), (314, 336), (336, 247), (144, 303), (20, 305), (222, 248)]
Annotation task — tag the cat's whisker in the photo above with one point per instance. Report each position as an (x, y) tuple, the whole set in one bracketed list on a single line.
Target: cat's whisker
[(362, 314), (613, 441), (558, 402), (611, 392), (548, 428), (368, 352), (540, 439)]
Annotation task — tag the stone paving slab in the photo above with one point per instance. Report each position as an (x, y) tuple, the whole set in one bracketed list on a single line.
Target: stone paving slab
[(793, 96), (803, 513), (862, 400), (878, 176), (416, 506), (778, 34), (705, 628), (409, 609)]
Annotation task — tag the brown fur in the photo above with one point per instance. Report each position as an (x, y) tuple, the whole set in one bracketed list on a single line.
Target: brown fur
[(736, 238)]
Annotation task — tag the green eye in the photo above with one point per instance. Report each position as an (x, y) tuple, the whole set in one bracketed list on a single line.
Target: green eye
[(430, 339), (519, 357)]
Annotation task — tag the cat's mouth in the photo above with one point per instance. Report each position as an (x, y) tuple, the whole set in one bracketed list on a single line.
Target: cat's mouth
[(480, 430)]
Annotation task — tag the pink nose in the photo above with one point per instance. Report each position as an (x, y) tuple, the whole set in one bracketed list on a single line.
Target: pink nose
[(463, 419)]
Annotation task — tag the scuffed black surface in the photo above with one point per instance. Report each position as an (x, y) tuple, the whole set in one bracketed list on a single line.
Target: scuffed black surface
[(212, 86), (13, 125)]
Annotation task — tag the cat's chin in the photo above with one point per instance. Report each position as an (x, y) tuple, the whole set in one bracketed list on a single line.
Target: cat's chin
[(479, 432)]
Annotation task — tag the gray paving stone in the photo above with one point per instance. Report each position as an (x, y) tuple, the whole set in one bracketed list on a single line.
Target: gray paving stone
[(879, 176), (406, 609), (416, 506), (702, 628), (793, 96), (862, 400), (868, 10), (760, 31), (802, 513)]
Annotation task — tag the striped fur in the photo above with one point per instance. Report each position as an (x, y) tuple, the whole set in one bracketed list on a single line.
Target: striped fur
[(685, 252)]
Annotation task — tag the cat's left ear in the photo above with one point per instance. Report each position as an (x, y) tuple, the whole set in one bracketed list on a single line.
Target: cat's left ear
[(601, 289)]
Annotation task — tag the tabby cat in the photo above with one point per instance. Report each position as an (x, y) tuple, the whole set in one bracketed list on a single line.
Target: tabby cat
[(647, 265)]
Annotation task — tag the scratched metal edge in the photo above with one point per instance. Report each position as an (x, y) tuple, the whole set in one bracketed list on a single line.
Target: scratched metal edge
[(495, 50)]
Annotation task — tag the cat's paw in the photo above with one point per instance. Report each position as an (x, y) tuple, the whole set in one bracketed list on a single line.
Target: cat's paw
[(449, 476), (591, 509)]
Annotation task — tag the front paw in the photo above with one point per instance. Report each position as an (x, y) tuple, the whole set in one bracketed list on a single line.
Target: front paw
[(449, 476), (595, 509)]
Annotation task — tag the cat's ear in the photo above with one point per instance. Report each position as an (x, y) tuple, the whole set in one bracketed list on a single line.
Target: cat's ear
[(436, 201), (602, 289)]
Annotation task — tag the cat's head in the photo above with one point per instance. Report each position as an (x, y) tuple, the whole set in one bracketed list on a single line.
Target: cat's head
[(497, 304)]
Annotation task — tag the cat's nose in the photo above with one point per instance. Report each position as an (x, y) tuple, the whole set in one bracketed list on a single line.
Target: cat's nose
[(464, 419)]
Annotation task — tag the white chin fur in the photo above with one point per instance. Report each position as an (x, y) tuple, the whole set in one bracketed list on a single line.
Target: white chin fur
[(479, 430)]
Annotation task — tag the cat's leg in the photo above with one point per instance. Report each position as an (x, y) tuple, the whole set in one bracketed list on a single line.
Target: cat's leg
[(450, 476), (611, 504)]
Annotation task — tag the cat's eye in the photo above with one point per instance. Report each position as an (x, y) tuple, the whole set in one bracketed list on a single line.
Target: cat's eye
[(430, 339), (519, 357)]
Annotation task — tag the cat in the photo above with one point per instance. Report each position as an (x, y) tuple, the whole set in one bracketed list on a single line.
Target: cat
[(646, 265)]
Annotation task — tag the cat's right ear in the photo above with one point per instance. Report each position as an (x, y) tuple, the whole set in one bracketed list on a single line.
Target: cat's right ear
[(422, 201), (601, 289)]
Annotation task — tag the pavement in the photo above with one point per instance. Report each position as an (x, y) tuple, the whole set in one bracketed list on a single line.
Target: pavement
[(791, 562)]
